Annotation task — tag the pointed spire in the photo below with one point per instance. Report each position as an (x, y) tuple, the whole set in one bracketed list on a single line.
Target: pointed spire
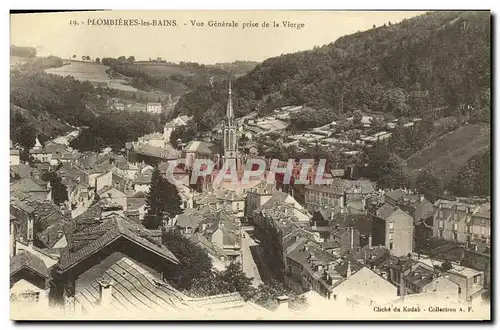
[(229, 112)]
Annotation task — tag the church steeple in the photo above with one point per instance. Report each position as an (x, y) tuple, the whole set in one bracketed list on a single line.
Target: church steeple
[(230, 129), (229, 111)]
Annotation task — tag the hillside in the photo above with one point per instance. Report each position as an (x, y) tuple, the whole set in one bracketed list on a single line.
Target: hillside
[(45, 125), (92, 72), (237, 68), (433, 60), (174, 79), (451, 152)]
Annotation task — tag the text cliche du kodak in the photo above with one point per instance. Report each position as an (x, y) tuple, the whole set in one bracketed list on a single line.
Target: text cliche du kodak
[(191, 23)]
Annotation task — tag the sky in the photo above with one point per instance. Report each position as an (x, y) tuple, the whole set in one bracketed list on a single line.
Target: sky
[(53, 33)]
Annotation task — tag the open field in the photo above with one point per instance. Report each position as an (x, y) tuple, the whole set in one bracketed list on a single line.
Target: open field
[(162, 69), (93, 72), (449, 153)]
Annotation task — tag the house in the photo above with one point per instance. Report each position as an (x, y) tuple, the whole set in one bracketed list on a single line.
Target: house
[(200, 150), (219, 258), (471, 281), (462, 221), (111, 296), (14, 157), (41, 155), (309, 267), (113, 196), (136, 206), (29, 188), (187, 222), (128, 285), (32, 218), (393, 229), (93, 250), (29, 281), (233, 200), (422, 279), (415, 205), (152, 155), (155, 108), (481, 224), (272, 201), (365, 283), (119, 106), (257, 196), (142, 182), (338, 193), (103, 180), (222, 230)]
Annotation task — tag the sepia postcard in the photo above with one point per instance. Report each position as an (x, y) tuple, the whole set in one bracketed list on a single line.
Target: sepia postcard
[(250, 165)]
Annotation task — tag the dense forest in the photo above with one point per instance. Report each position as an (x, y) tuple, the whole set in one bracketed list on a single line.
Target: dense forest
[(439, 59), (474, 179)]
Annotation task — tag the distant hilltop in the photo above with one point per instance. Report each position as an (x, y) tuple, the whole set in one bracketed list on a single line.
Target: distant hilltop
[(22, 51)]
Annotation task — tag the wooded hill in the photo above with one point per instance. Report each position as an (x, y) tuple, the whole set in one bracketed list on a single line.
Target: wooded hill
[(439, 59)]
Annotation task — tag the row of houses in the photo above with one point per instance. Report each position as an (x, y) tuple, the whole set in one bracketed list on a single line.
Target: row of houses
[(105, 264)]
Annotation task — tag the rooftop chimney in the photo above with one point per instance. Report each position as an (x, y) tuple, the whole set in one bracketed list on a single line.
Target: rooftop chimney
[(352, 238), (282, 304), (402, 286), (105, 292), (13, 235), (348, 273), (30, 230)]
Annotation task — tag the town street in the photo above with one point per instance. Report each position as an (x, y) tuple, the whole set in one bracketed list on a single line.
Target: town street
[(248, 263)]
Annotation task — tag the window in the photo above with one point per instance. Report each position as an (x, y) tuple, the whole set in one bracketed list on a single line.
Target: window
[(440, 214), (390, 237), (455, 236), (441, 224), (391, 225), (441, 233), (455, 226), (476, 279), (455, 216), (391, 245)]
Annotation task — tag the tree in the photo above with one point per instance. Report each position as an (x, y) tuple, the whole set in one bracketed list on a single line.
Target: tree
[(84, 57), (230, 280), (267, 294), (446, 265), (131, 59), (429, 185), (195, 267), (25, 135), (122, 59), (357, 117), (59, 190), (385, 167), (233, 279), (98, 60), (162, 201)]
